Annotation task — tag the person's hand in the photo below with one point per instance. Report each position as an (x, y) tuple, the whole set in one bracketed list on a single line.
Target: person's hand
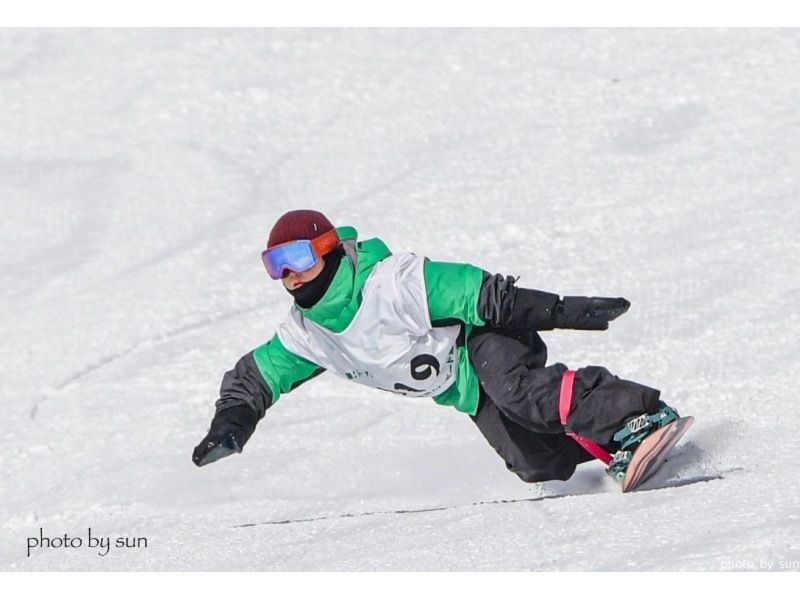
[(230, 430), (589, 313)]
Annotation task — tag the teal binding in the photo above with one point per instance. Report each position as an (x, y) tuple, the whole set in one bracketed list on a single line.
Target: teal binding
[(631, 435)]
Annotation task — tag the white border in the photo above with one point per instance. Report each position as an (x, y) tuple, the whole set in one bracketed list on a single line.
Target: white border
[(404, 585)]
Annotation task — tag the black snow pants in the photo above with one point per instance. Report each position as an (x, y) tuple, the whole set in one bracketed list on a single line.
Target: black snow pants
[(518, 410)]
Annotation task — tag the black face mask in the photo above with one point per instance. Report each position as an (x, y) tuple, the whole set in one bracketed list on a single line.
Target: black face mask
[(308, 294)]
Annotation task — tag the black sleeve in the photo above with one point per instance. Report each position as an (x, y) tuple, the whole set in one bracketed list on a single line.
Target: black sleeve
[(501, 304), (244, 385)]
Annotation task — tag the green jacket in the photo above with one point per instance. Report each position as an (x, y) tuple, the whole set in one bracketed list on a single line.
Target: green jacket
[(453, 292)]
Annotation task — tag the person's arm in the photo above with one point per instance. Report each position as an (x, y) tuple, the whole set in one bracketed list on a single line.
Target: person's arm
[(465, 293), (256, 382), (454, 293)]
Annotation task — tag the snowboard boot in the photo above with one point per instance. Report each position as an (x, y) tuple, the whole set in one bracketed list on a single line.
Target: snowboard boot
[(631, 435)]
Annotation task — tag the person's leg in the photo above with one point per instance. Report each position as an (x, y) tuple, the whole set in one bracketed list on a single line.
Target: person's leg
[(532, 456), (529, 395), (537, 357)]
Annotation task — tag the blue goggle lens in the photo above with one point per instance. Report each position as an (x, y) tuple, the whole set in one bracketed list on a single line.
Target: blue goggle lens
[(297, 256)]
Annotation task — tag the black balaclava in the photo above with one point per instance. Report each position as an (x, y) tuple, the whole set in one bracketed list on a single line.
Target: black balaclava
[(308, 294)]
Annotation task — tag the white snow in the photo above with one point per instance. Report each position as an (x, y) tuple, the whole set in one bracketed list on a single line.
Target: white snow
[(141, 171)]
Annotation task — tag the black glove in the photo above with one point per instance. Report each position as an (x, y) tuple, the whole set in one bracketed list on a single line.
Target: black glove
[(230, 430), (588, 313)]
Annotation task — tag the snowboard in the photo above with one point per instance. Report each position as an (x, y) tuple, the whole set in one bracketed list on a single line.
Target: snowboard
[(651, 454)]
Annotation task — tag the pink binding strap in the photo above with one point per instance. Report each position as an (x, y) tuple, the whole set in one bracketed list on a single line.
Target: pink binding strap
[(564, 405)]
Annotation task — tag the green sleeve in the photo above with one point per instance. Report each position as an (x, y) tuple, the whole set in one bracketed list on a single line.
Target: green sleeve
[(453, 291), (282, 370)]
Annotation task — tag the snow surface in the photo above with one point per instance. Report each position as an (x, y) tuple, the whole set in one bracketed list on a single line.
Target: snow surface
[(140, 173)]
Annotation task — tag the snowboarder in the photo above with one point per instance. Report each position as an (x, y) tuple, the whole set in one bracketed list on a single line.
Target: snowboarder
[(451, 331)]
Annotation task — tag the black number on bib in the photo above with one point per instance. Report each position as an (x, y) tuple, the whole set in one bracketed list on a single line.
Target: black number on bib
[(422, 367), (402, 388)]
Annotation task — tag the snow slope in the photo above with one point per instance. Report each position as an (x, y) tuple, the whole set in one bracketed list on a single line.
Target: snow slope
[(140, 172)]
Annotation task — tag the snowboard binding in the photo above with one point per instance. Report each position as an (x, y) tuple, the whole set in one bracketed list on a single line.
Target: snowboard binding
[(633, 433)]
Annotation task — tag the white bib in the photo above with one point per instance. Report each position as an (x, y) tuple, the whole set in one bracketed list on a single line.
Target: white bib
[(390, 344)]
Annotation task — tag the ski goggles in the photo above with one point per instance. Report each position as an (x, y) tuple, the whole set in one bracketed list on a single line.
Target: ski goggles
[(298, 256)]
